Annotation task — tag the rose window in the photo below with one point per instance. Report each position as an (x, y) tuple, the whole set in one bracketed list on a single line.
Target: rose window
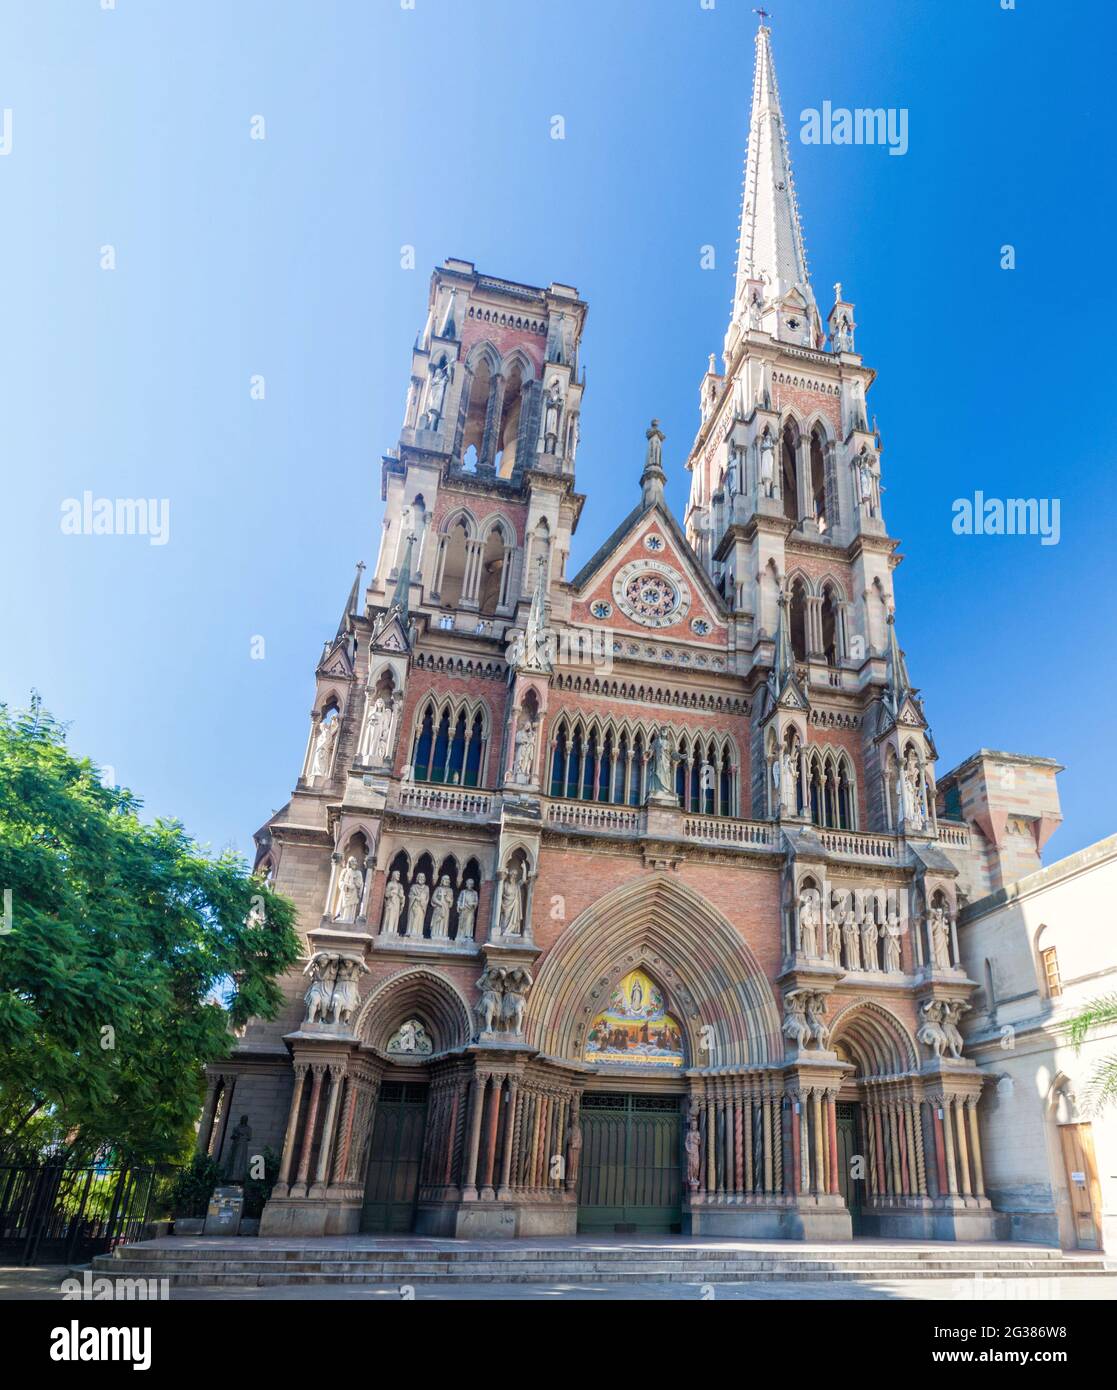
[(651, 596)]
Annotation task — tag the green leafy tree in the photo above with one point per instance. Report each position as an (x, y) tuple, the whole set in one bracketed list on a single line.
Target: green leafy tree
[(1101, 1089), (128, 957)]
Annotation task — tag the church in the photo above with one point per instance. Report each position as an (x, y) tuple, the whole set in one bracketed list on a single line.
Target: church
[(630, 897)]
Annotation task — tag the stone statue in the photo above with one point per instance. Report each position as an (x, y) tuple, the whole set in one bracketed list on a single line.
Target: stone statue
[(417, 901), (411, 1039), (834, 937), (869, 957), (517, 982), (864, 465), (377, 721), (551, 417), (350, 887), (816, 1009), (951, 1015), (852, 939), (857, 407), (321, 969), (911, 791), (237, 1167), (940, 939), (693, 1154), (436, 394), (931, 1033), (795, 1025), (525, 750), (573, 1149), (891, 933), (323, 748), (512, 903), (442, 900), (491, 985), (394, 899), (346, 992), (661, 765), (808, 922), (467, 911), (789, 778), (767, 464)]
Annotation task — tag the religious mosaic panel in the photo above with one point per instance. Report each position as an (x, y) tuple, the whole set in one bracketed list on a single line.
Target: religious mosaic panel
[(636, 1030)]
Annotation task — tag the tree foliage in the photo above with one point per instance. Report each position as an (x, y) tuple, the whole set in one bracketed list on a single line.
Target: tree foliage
[(1101, 1089), (128, 957)]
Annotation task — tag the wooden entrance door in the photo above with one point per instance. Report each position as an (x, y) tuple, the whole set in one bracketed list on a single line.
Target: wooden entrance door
[(851, 1149), (1082, 1184), (395, 1153), (630, 1178)]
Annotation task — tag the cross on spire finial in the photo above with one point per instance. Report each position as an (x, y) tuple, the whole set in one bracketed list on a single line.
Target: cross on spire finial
[(764, 14)]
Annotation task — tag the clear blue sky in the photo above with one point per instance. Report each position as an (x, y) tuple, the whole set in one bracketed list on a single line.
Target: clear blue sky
[(431, 127)]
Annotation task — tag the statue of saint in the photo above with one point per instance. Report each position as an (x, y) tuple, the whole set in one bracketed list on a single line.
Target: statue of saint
[(350, 886), (693, 1155), (551, 418), (869, 957), (323, 748), (376, 725), (767, 464), (525, 750), (512, 904), (436, 394), (661, 765), (891, 933), (442, 900), (940, 939), (852, 938), (417, 901), (808, 922), (467, 911), (394, 899), (911, 787)]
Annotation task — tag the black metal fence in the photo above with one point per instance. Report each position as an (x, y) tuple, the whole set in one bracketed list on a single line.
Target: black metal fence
[(52, 1211)]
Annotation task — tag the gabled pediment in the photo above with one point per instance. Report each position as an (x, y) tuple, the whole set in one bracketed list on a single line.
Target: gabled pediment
[(336, 660), (390, 635)]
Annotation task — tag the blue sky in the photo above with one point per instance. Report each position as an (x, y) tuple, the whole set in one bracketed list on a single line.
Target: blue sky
[(430, 126)]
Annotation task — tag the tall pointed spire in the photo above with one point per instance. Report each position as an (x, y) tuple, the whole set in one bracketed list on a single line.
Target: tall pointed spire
[(771, 248), (351, 602), (897, 669)]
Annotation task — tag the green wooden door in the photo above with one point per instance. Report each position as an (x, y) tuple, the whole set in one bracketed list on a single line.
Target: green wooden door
[(852, 1160), (631, 1173), (395, 1153)]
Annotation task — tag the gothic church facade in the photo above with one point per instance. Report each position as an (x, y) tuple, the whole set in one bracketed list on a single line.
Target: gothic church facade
[(629, 896)]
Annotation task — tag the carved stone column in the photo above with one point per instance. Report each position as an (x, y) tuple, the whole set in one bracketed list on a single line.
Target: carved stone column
[(291, 1137), (473, 1136), (317, 1070), (975, 1147)]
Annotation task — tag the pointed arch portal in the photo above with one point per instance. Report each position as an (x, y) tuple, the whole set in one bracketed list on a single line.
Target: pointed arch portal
[(711, 982)]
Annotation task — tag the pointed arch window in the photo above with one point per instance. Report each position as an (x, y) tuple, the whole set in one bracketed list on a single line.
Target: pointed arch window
[(818, 480), (449, 745), (789, 471)]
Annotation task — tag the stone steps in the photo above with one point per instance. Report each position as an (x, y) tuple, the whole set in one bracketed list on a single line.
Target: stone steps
[(245, 1263)]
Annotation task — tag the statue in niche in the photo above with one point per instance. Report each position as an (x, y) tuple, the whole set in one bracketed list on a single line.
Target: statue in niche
[(350, 887), (693, 1153), (869, 957), (808, 922), (394, 899), (911, 791), (789, 778), (377, 722), (864, 466), (795, 1025), (931, 1033), (857, 406), (767, 464), (442, 900), (951, 1016), (940, 939), (661, 765), (237, 1168), (525, 750), (436, 395), (852, 938), (517, 982), (491, 985), (512, 902), (467, 911), (323, 748), (417, 901), (551, 416), (834, 933), (891, 934)]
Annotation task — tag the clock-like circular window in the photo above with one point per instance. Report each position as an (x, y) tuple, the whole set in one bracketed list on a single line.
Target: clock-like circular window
[(651, 593)]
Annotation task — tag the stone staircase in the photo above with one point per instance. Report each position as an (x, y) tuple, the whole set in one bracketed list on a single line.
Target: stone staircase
[(260, 1263)]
